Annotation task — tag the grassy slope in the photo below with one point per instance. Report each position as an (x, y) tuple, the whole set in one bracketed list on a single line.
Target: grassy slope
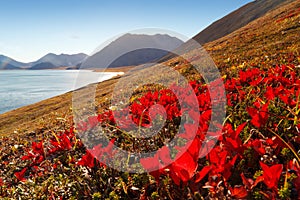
[(265, 41), (269, 40), (237, 19)]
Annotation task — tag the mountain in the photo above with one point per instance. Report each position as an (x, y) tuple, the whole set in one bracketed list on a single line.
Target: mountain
[(132, 49), (9, 63), (237, 19), (49, 61), (59, 60), (9, 67), (43, 65)]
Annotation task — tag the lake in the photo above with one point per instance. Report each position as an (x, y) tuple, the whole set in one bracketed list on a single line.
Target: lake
[(23, 87)]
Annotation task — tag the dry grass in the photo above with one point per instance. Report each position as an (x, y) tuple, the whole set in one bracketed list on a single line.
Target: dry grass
[(269, 40)]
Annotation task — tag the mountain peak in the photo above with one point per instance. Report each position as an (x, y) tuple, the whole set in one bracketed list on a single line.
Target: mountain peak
[(65, 60), (133, 49)]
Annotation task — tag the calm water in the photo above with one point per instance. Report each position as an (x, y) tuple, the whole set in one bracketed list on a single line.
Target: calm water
[(23, 87)]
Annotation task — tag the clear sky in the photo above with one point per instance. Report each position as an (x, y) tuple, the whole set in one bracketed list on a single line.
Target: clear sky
[(32, 28)]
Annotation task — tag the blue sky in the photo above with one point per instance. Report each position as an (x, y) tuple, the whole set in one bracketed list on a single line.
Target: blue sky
[(33, 28)]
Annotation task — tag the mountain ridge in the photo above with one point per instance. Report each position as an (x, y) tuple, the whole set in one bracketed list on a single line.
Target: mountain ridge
[(60, 60), (132, 49), (57, 60), (7, 62), (126, 50)]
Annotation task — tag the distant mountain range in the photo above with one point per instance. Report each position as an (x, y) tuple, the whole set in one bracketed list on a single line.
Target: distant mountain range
[(49, 61), (126, 50), (62, 60), (129, 49)]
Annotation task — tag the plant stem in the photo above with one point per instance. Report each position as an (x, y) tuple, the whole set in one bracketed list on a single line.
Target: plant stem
[(294, 152)]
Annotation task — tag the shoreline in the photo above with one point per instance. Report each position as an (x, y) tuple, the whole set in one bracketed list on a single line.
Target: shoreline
[(47, 112), (116, 69), (112, 73)]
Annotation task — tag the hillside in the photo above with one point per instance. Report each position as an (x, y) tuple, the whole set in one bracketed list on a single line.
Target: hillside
[(233, 21), (9, 63), (43, 65), (255, 157), (237, 19), (9, 67), (270, 40)]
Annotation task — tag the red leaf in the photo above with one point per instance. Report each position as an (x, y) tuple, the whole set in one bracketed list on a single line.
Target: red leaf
[(233, 141), (184, 167), (65, 142), (206, 148), (238, 192), (247, 182), (227, 168), (194, 115), (200, 175), (28, 156), (271, 175), (258, 180), (233, 144), (239, 129), (258, 146), (270, 93), (20, 175), (164, 155), (38, 148), (150, 163), (218, 156), (194, 149), (87, 160), (259, 117)]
